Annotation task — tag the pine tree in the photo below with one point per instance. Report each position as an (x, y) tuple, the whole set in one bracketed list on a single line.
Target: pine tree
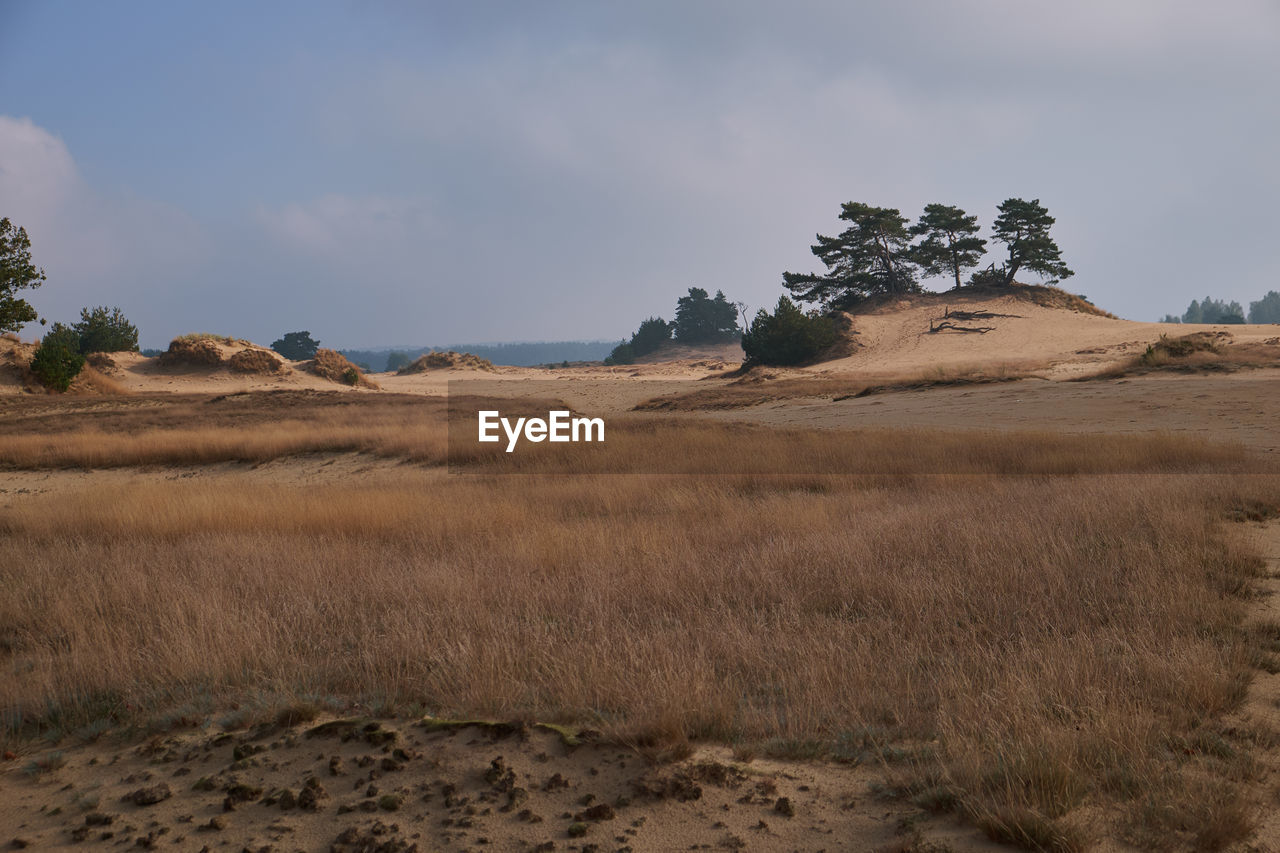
[(1024, 226), (16, 273), (870, 257), (951, 243)]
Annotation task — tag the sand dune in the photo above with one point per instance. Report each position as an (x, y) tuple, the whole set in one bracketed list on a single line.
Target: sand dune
[(1059, 342)]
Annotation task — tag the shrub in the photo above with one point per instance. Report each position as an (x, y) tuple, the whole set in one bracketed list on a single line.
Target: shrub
[(192, 351), (653, 333), (105, 330), (788, 336), (58, 360), (623, 353), (254, 361), (1166, 348), (336, 368)]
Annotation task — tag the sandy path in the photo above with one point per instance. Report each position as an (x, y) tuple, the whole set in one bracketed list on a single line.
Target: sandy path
[(1262, 707)]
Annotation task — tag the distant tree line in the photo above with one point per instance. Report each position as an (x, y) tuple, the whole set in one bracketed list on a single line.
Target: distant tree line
[(519, 354), (1217, 311), (700, 319)]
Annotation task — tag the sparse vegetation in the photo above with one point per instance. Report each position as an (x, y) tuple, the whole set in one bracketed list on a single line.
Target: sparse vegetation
[(1199, 352)]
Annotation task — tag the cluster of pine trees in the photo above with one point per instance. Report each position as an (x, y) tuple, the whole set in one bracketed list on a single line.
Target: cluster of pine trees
[(700, 319), (882, 253)]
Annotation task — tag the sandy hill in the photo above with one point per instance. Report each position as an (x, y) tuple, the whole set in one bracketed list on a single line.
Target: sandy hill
[(446, 361), (727, 352), (958, 330)]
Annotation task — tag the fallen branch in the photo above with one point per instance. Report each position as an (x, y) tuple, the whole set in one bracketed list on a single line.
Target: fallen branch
[(948, 326)]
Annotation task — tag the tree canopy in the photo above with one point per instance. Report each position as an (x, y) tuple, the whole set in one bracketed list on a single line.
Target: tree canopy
[(951, 243), (1023, 226), (787, 336), (16, 273), (702, 319), (296, 346), (653, 333), (105, 330), (870, 257)]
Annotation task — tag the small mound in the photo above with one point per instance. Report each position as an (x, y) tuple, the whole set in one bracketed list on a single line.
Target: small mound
[(192, 351), (255, 361), (1043, 295), (445, 361), (1166, 348), (102, 362), (15, 366), (336, 368), (90, 381)]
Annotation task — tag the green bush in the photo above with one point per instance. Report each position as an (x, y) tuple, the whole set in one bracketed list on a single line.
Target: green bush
[(105, 330), (623, 353), (58, 360), (351, 376), (788, 336)]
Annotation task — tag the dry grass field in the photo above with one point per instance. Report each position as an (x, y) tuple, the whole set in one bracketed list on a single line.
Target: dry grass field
[(1041, 634)]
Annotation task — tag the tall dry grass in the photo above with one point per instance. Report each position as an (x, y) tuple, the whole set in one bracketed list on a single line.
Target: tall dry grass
[(201, 430), (1026, 650), (759, 387)]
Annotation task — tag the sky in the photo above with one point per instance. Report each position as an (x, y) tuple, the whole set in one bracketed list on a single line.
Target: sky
[(396, 173)]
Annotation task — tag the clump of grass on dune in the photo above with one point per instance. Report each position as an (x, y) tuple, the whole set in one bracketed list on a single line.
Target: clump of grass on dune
[(1199, 352), (1020, 650), (334, 366)]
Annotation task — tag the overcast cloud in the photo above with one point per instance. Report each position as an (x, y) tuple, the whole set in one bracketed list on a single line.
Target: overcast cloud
[(398, 173)]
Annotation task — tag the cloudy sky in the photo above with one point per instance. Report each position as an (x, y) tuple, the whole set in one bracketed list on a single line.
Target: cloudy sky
[(411, 173)]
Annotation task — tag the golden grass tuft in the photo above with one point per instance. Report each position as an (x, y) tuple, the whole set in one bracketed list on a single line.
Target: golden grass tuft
[(199, 351), (90, 380), (1198, 352), (335, 367), (255, 361), (446, 360), (193, 337)]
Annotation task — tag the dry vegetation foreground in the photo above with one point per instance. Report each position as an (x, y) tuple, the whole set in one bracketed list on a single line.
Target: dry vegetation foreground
[(1051, 654)]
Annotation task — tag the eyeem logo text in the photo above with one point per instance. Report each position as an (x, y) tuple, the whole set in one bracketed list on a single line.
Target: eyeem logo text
[(558, 426)]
